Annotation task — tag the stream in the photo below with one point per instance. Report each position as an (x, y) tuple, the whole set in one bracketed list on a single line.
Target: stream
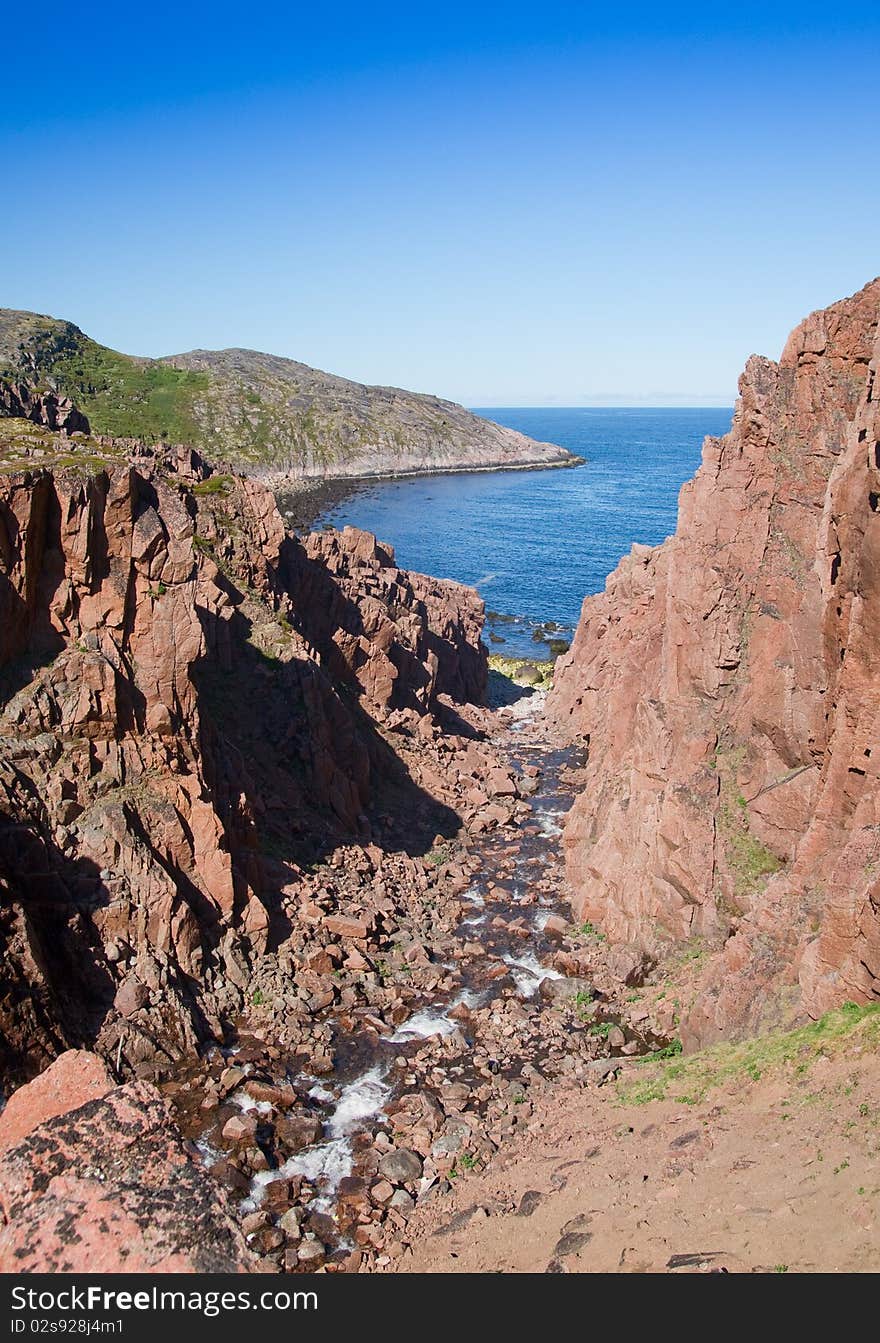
[(466, 1056)]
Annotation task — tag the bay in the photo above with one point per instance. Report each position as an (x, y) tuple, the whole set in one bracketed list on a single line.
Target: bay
[(535, 543)]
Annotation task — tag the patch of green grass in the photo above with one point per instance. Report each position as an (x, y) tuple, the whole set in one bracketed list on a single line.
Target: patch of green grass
[(32, 447), (213, 485), (588, 929), (695, 950), (91, 463), (670, 1051), (125, 397), (750, 861), (462, 1163), (689, 1079)]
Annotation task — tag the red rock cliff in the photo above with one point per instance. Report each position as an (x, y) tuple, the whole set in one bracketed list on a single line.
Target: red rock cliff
[(727, 682), (190, 703)]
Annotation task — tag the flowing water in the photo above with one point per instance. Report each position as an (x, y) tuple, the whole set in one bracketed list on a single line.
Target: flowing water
[(518, 880)]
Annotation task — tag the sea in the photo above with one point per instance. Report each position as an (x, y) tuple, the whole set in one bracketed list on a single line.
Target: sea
[(535, 543)]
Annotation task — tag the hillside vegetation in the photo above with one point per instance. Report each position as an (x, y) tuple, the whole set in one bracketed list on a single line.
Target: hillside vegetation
[(260, 411)]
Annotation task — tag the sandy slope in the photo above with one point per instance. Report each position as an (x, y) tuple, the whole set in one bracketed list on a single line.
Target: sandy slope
[(776, 1174)]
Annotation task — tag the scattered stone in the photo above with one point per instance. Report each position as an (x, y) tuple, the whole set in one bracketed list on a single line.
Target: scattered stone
[(343, 926), (401, 1166), (297, 1131), (240, 1128), (131, 996), (554, 926), (571, 1242), (529, 1202), (382, 1192), (310, 1254)]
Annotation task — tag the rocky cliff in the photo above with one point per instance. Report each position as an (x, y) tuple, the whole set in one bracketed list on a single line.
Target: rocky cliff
[(727, 685), (197, 712), (259, 411)]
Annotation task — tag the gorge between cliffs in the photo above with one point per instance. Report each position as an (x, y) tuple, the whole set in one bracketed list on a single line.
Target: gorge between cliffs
[(325, 944)]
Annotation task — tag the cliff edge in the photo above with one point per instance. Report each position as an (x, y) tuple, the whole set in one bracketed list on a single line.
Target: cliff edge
[(727, 684), (198, 712)]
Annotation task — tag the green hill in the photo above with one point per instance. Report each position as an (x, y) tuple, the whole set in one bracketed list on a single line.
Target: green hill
[(260, 411)]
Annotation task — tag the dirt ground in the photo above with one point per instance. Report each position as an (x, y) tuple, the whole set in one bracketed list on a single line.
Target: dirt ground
[(773, 1171)]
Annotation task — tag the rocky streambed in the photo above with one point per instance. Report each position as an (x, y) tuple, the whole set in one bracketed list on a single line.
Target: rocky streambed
[(435, 1042)]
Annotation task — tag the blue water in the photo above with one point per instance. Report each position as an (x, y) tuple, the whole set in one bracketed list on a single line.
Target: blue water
[(535, 543)]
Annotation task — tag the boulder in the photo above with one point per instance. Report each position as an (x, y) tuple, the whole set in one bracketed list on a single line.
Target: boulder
[(75, 1077), (343, 926), (401, 1166), (298, 1130), (108, 1187), (565, 989), (241, 1128), (131, 996)]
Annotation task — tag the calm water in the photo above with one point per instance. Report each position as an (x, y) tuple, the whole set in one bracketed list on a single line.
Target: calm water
[(535, 543)]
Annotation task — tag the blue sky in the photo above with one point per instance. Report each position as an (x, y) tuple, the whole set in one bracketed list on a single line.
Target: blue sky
[(508, 205)]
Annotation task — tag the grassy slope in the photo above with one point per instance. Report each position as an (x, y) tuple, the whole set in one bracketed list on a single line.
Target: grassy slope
[(128, 398), (757, 1157), (26, 447), (124, 397), (253, 408), (688, 1079)]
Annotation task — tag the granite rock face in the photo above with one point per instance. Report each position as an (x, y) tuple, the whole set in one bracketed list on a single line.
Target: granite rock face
[(727, 684), (190, 711), (20, 400), (404, 637), (75, 1078), (106, 1186)]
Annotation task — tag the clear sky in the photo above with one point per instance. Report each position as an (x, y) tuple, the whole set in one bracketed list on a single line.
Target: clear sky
[(508, 204)]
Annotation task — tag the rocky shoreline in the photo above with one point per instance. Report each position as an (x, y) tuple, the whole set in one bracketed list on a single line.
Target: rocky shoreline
[(303, 501), (267, 415)]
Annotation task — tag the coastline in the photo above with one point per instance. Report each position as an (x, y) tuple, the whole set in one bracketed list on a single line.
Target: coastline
[(303, 506), (302, 500)]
